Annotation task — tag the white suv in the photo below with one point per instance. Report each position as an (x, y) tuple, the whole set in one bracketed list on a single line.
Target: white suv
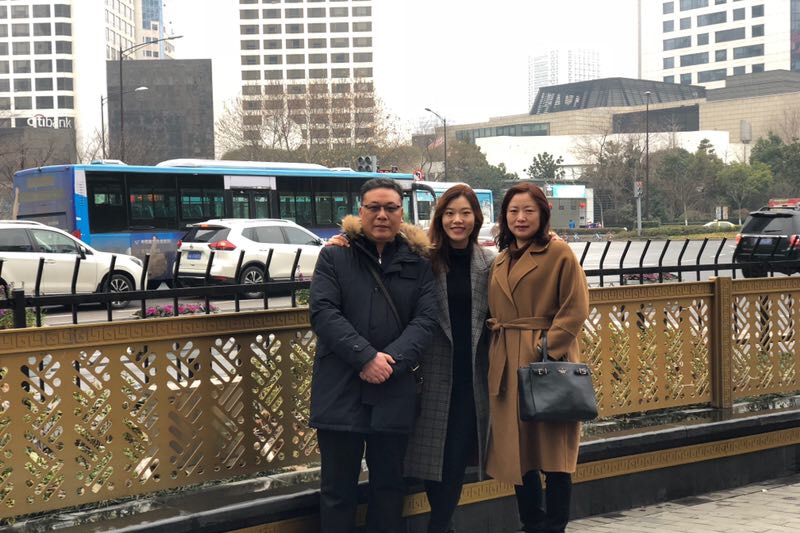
[(23, 243), (228, 237)]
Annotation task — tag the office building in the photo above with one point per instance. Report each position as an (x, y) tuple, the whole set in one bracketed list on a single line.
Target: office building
[(311, 62), (150, 28), (701, 42), (557, 66)]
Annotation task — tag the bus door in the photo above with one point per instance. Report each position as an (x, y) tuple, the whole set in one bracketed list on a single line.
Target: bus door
[(250, 203)]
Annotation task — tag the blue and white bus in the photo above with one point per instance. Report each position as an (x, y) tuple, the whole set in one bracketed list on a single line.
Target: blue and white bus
[(429, 191), (144, 209)]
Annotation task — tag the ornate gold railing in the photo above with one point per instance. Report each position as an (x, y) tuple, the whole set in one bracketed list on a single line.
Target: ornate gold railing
[(98, 412)]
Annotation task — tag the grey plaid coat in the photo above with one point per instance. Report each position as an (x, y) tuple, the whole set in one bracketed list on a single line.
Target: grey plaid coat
[(425, 454)]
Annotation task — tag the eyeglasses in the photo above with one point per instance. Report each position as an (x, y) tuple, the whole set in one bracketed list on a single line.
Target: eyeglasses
[(376, 208)]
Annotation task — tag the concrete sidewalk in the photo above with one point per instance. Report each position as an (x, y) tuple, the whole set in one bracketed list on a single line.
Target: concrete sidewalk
[(768, 507)]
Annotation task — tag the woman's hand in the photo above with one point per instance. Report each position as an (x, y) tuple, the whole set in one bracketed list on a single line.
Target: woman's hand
[(339, 240)]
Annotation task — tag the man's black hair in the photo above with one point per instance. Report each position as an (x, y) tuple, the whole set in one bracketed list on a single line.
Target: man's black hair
[(381, 183)]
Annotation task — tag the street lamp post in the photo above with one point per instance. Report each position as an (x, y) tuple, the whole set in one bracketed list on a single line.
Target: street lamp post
[(647, 157), (444, 122), (103, 100), (122, 53)]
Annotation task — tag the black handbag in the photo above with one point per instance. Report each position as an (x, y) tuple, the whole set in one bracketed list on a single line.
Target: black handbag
[(553, 390)]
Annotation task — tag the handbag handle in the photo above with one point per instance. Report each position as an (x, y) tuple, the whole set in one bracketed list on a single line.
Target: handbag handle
[(543, 346)]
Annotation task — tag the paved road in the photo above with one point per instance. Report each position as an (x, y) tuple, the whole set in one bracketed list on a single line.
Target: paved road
[(769, 507)]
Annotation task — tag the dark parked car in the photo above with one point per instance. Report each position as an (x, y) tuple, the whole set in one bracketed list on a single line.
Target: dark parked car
[(771, 234)]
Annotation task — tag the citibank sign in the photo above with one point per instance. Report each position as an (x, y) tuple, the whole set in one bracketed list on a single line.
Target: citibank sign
[(41, 121)]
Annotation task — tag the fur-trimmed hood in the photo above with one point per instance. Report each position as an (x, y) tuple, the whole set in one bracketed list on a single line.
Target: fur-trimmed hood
[(415, 237)]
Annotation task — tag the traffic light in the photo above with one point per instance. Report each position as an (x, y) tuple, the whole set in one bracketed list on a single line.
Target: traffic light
[(367, 163)]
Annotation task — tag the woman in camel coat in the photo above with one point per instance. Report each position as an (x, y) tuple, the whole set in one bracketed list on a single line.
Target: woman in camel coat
[(537, 284)]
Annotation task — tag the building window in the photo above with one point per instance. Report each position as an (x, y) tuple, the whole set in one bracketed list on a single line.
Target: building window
[(317, 58), (66, 102), (20, 30), (677, 42), (318, 43), (249, 14), (758, 30), (338, 11), (294, 44), (362, 72), (63, 47), (742, 52), (669, 62), (340, 73), (295, 59), (712, 18), (738, 71), (296, 74), (273, 75), (686, 79), (363, 57), (21, 49), (64, 84), (362, 11), (273, 60), (22, 66), (271, 13), (249, 29), (22, 85), (41, 11), (294, 28), (668, 26), (249, 45), (3, 30), (294, 13), (340, 58), (738, 14), (63, 28), (758, 67), (694, 59), (44, 102), (721, 55), (42, 29), (729, 35), (317, 27), (251, 60), (686, 23), (362, 26), (718, 2), (702, 38), (43, 65), (19, 12), (23, 102), (315, 12), (686, 5), (708, 76), (273, 44), (44, 84), (668, 7), (63, 65), (758, 11), (4, 67), (340, 42), (318, 73), (3, 12), (669, 79), (62, 10), (251, 90), (340, 27)]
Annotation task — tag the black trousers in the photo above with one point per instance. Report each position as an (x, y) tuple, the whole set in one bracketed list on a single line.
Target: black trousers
[(461, 439), (544, 515), (341, 454)]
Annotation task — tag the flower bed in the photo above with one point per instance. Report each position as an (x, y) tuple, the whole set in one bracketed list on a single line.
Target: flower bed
[(159, 311)]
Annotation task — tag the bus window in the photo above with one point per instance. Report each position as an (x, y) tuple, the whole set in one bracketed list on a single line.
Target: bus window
[(296, 207), (425, 205), (202, 197), (153, 201), (331, 208), (106, 209)]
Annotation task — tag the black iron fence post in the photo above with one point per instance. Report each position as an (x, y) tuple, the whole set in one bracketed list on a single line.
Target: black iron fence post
[(19, 308)]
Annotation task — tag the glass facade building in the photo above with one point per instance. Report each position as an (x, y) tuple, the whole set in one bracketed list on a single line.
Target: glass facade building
[(795, 35)]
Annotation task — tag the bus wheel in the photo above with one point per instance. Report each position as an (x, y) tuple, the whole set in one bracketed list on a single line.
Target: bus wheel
[(252, 275), (120, 283)]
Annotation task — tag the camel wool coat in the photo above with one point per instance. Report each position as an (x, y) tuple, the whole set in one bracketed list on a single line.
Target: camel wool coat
[(545, 289)]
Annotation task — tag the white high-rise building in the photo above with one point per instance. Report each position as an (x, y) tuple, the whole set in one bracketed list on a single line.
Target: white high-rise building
[(700, 42), (296, 44), (558, 66), (52, 71)]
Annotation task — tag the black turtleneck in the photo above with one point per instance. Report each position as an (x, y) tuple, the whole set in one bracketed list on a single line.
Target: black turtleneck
[(459, 302)]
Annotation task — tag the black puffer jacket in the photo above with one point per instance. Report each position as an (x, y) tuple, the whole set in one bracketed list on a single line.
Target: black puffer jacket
[(353, 321)]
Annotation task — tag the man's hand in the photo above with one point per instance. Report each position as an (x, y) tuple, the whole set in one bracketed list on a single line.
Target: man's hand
[(378, 370)]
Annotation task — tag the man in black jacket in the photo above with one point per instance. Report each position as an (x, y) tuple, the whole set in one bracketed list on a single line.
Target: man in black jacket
[(373, 310)]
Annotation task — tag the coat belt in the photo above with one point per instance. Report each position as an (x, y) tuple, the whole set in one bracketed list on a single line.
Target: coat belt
[(528, 322), (500, 350)]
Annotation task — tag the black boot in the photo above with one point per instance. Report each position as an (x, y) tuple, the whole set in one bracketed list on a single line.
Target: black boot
[(529, 502), (557, 495)]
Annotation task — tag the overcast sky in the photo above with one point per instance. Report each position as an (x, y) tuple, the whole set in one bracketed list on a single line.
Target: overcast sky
[(465, 59)]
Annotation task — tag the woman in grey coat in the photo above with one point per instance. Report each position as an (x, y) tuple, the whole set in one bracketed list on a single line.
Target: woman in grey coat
[(451, 428)]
